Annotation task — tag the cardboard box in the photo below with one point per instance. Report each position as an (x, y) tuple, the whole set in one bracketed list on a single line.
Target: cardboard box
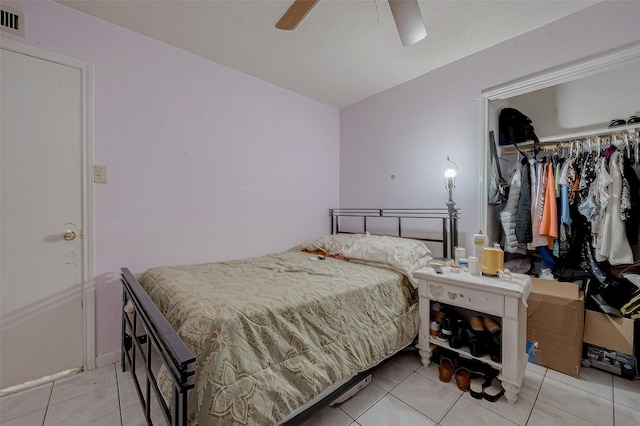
[(612, 361), (555, 325), (609, 343), (609, 332)]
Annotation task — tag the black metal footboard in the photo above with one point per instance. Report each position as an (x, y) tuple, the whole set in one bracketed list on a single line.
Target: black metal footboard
[(145, 334)]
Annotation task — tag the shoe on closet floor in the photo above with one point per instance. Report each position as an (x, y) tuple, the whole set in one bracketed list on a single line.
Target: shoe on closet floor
[(493, 391), (463, 378), (477, 384), (446, 369)]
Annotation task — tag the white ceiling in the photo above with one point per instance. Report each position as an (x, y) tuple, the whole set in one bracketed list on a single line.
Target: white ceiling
[(343, 51)]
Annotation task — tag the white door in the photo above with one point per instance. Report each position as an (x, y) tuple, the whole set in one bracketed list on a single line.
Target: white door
[(41, 220)]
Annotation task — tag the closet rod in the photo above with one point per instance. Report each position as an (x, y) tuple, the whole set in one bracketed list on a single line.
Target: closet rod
[(567, 137)]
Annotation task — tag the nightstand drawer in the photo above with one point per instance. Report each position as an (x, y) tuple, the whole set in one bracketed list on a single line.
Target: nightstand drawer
[(482, 301)]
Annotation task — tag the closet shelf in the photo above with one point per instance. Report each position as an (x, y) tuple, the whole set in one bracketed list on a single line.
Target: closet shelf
[(567, 137)]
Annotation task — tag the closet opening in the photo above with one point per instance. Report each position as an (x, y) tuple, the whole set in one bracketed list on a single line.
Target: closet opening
[(586, 118)]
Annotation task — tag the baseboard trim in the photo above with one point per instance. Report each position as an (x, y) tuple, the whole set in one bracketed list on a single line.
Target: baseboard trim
[(38, 382)]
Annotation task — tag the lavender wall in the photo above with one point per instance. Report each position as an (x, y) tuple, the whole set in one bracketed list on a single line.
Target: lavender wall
[(409, 131), (204, 162)]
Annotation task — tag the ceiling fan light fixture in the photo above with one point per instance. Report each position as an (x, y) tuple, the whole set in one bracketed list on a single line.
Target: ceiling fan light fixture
[(409, 21)]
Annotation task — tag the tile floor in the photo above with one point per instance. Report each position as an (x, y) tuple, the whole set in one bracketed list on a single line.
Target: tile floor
[(403, 392)]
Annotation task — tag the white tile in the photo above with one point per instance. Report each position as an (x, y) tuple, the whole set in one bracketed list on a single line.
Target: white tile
[(390, 374), (25, 402), (127, 393), (85, 408), (532, 383), (390, 411), (330, 416), (364, 399), (134, 416), (546, 415), (591, 380), (409, 358), (575, 401), (626, 392), (535, 368), (625, 416), (111, 420), (517, 412), (82, 384), (467, 412), (122, 375), (33, 418), (432, 372), (426, 396)]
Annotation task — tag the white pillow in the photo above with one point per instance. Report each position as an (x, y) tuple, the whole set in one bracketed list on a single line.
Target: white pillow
[(334, 244), (400, 254)]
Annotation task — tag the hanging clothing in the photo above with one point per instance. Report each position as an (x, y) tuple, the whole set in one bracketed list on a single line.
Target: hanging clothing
[(549, 222), (524, 233), (565, 184), (631, 215), (603, 183), (509, 213), (557, 205), (612, 242), (537, 205)]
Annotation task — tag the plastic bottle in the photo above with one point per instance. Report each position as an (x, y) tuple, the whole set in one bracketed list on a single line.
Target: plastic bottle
[(480, 241)]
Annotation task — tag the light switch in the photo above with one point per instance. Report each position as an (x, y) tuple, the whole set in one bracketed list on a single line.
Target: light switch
[(99, 174)]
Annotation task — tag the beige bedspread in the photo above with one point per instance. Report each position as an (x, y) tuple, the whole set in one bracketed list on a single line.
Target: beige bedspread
[(271, 333)]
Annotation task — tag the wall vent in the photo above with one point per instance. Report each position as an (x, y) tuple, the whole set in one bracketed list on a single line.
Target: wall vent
[(11, 20)]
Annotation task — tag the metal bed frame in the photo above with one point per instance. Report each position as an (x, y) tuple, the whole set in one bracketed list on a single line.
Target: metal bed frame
[(147, 333), (448, 217)]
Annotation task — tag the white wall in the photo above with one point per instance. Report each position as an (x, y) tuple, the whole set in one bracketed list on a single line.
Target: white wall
[(589, 102), (204, 163), (409, 131)]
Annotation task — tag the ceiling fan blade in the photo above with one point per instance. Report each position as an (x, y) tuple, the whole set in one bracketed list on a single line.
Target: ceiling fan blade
[(296, 13), (409, 21)]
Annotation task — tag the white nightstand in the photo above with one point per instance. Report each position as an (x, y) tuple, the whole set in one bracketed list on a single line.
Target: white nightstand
[(505, 299)]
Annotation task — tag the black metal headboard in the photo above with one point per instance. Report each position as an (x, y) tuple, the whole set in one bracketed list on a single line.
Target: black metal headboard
[(448, 234)]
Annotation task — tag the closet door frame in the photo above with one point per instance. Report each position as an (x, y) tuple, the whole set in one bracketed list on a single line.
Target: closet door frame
[(555, 76)]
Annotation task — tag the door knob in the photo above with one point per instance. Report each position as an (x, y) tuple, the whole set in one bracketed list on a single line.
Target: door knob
[(69, 235)]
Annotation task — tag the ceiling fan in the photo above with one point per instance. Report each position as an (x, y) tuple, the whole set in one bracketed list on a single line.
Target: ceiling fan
[(406, 14)]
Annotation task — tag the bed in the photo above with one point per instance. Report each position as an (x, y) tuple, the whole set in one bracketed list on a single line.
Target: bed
[(274, 339)]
